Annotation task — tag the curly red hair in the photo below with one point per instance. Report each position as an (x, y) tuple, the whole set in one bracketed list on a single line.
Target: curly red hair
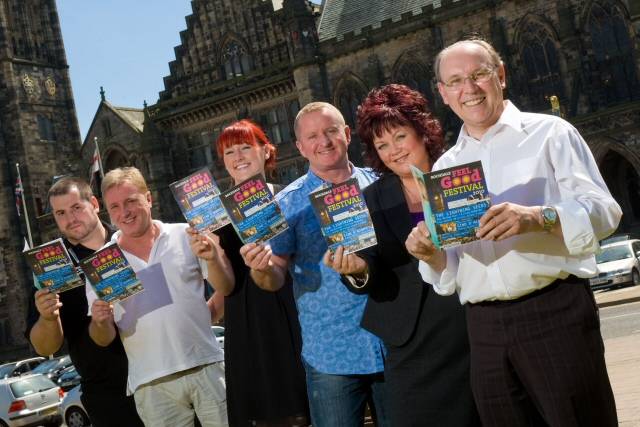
[(246, 132), (395, 105)]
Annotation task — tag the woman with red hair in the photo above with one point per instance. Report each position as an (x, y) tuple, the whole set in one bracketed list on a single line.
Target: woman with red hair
[(264, 373), (427, 365)]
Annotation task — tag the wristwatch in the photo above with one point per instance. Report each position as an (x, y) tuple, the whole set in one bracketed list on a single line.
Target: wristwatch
[(549, 217)]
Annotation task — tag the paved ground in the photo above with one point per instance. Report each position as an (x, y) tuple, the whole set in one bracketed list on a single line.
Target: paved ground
[(623, 359)]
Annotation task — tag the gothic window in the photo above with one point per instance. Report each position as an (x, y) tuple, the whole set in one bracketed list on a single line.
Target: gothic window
[(235, 60), (114, 159), (200, 150), (349, 95), (5, 333), (45, 128), (416, 76), (613, 53), (106, 128), (541, 67), (276, 124)]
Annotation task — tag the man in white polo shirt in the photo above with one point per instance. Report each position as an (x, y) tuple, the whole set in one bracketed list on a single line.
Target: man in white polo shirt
[(175, 364)]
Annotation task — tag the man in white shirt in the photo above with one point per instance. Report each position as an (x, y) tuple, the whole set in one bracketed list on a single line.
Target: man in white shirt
[(537, 356), (175, 364)]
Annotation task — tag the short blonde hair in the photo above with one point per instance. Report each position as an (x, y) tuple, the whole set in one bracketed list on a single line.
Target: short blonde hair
[(493, 54), (316, 106), (119, 176)]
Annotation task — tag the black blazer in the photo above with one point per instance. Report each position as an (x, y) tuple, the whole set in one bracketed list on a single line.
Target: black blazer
[(395, 287)]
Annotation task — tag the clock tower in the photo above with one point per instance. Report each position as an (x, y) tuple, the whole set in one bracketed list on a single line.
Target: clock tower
[(38, 130)]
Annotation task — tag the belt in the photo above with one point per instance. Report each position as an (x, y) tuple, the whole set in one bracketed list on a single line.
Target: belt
[(549, 288)]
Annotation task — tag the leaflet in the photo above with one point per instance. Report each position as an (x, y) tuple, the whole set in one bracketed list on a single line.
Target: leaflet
[(343, 216), (253, 211), (453, 200), (110, 274), (52, 267), (199, 199)]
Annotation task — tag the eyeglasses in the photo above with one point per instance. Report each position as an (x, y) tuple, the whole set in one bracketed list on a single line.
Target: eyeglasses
[(481, 75)]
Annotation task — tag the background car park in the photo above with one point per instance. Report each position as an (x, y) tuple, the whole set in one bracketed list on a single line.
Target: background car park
[(618, 264), (69, 378), (72, 410), (218, 333), (20, 367), (30, 400), (53, 368)]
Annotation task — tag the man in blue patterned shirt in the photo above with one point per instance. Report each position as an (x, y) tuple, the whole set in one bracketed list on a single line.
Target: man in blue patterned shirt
[(343, 362)]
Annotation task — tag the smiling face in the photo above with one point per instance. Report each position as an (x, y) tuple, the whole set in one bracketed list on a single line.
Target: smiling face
[(243, 161), (76, 217), (478, 104), (323, 138), (399, 147), (129, 209)]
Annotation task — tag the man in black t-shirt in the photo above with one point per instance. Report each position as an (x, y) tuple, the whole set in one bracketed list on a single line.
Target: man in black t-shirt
[(56, 317)]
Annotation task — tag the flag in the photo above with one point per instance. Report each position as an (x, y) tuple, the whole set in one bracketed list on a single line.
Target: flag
[(18, 192), (95, 162), (95, 170)]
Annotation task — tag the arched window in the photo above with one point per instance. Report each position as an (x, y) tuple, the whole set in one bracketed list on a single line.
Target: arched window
[(613, 53), (349, 94), (45, 128), (113, 159), (235, 60), (541, 66), (416, 75)]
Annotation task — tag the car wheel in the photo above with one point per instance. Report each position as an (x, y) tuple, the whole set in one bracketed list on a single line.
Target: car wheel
[(76, 417), (635, 277)]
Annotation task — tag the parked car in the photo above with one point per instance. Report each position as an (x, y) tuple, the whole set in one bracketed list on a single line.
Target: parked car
[(218, 333), (69, 378), (15, 369), (29, 400), (53, 368), (618, 264), (72, 410)]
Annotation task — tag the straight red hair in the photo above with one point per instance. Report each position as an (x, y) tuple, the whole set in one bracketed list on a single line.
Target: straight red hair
[(246, 132)]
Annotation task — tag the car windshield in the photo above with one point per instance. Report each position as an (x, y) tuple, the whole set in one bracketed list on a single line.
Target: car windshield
[(6, 369), (614, 253), (31, 385), (46, 366)]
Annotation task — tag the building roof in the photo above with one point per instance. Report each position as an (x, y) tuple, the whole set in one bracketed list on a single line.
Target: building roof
[(343, 16), (134, 117)]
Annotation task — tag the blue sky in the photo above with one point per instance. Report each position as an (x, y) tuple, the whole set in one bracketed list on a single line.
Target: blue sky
[(123, 45)]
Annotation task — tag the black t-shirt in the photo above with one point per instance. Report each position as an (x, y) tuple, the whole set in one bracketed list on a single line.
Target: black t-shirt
[(103, 369)]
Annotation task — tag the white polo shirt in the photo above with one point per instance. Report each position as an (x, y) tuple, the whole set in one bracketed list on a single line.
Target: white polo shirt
[(166, 328)]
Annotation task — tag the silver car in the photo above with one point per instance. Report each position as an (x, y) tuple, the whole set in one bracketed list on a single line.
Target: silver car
[(30, 400), (618, 264), (72, 410)]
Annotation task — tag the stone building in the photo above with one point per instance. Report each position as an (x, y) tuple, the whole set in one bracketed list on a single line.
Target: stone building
[(38, 130), (263, 60)]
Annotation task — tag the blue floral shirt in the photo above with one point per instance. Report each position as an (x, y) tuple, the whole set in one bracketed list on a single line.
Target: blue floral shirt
[(332, 340)]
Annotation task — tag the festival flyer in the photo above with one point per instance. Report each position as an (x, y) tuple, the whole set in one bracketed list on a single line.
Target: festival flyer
[(52, 267), (453, 201), (199, 199), (110, 274), (343, 216), (253, 211)]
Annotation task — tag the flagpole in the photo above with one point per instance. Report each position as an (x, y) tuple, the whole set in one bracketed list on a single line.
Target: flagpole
[(95, 141), (24, 206)]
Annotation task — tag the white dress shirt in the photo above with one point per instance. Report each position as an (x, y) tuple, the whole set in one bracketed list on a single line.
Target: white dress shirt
[(531, 160)]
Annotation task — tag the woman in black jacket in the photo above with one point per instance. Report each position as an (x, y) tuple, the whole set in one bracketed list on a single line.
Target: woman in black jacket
[(427, 361)]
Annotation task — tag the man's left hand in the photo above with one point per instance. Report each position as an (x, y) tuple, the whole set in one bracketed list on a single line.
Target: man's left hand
[(505, 220)]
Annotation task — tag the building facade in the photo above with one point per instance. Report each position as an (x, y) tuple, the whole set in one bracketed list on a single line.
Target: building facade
[(262, 60)]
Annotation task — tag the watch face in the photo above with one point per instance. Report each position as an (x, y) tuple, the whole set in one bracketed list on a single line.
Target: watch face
[(550, 217)]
